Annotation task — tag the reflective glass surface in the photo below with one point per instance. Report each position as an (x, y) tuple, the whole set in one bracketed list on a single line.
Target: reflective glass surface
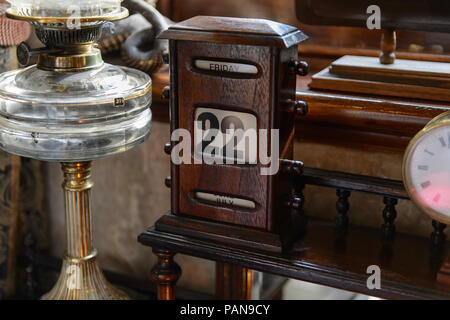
[(65, 8), (74, 116)]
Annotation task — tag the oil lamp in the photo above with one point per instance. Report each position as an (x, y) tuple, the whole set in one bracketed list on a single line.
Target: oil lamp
[(71, 107)]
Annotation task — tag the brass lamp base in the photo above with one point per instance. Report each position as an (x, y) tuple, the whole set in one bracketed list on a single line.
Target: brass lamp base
[(83, 279)]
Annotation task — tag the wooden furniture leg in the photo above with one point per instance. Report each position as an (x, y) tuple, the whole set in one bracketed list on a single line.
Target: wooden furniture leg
[(443, 275), (233, 282), (166, 273)]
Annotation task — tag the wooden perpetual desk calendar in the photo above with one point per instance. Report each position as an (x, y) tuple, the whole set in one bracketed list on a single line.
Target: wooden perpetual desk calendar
[(222, 71), (230, 74)]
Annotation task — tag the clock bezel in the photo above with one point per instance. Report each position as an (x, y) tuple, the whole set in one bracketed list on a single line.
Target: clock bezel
[(439, 121)]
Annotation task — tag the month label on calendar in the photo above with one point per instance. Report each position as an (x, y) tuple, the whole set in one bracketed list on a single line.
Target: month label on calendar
[(225, 201)]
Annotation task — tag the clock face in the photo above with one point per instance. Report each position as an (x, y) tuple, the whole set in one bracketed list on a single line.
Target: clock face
[(427, 172)]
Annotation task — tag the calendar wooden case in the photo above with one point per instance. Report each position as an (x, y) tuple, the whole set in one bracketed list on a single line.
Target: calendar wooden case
[(232, 73)]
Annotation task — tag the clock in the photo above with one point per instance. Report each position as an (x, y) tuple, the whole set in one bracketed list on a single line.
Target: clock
[(232, 87), (426, 169)]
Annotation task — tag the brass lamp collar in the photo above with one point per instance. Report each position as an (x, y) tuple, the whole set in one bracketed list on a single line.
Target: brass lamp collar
[(70, 62), (67, 50)]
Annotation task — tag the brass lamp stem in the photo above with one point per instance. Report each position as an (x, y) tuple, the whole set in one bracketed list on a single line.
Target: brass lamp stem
[(81, 277), (77, 193)]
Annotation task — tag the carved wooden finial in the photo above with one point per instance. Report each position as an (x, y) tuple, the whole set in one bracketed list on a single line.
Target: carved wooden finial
[(388, 46)]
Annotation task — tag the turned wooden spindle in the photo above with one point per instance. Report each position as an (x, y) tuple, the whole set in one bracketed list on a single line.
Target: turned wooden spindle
[(389, 216), (388, 46), (166, 274), (438, 236), (438, 239), (342, 207)]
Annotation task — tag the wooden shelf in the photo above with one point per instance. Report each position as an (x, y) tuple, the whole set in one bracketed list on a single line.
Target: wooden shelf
[(324, 256)]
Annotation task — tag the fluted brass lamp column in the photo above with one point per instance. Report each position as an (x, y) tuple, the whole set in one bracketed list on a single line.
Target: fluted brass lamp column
[(73, 108)]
